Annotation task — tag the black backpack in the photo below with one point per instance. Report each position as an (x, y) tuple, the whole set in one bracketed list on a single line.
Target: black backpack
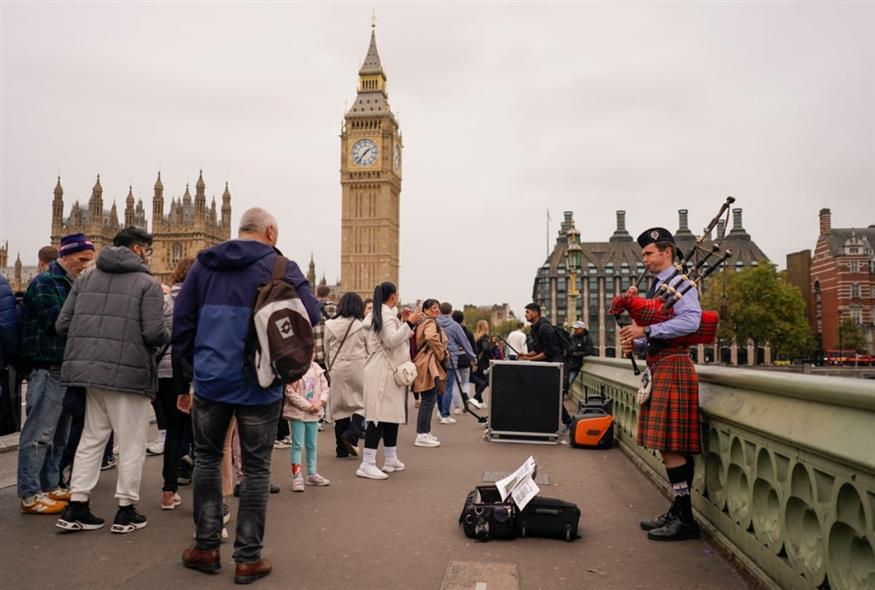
[(563, 338)]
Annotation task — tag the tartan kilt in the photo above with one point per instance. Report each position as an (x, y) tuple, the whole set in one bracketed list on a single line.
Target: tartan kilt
[(669, 421)]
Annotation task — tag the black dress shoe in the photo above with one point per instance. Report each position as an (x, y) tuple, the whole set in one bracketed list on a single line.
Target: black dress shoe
[(675, 529), (349, 446), (657, 522), (274, 489)]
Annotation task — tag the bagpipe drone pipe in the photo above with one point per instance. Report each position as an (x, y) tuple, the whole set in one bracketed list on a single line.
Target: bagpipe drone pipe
[(660, 308)]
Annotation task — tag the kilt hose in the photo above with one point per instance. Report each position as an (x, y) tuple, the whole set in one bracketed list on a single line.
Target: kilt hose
[(669, 421)]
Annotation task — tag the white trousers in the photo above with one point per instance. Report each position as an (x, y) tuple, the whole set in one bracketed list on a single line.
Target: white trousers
[(127, 415)]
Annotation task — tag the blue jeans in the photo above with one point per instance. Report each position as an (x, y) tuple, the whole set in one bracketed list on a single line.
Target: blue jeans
[(43, 434), (446, 400), (304, 435), (464, 375), (256, 426)]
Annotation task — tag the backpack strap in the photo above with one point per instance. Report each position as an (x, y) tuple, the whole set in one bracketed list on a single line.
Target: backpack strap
[(279, 268)]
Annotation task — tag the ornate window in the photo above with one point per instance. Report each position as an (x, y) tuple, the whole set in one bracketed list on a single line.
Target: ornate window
[(855, 291), (176, 253)]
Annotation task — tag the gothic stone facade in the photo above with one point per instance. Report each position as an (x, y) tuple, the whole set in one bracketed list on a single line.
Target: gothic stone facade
[(18, 275), (189, 227), (370, 177), (609, 268)]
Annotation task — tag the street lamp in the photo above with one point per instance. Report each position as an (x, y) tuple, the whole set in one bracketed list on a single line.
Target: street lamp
[(572, 263)]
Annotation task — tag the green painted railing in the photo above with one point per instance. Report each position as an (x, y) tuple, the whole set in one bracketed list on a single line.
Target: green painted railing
[(786, 479)]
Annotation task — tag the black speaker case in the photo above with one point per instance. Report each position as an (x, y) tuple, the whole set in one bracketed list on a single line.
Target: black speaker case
[(520, 408)]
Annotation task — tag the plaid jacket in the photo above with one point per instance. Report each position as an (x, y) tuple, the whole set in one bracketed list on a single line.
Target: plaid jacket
[(43, 300), (328, 310)]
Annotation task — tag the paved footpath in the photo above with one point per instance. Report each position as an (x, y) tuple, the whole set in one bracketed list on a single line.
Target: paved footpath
[(397, 533)]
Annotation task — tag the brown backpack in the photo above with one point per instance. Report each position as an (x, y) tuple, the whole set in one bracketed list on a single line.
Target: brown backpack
[(280, 342)]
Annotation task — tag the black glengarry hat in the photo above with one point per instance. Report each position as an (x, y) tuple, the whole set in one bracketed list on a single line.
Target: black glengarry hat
[(653, 235)]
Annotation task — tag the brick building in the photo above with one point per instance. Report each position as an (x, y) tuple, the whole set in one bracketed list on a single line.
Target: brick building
[(838, 281)]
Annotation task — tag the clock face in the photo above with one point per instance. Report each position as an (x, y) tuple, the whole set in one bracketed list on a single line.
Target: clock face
[(364, 152), (397, 157)]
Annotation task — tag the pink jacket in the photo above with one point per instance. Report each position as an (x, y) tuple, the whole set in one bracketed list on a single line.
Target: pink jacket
[(308, 389)]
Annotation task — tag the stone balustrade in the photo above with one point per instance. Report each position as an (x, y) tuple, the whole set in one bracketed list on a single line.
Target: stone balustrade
[(786, 479)]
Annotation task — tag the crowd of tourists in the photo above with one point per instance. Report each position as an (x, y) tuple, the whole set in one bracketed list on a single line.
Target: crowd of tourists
[(102, 345)]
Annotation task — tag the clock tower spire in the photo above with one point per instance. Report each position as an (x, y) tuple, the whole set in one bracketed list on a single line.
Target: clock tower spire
[(370, 179)]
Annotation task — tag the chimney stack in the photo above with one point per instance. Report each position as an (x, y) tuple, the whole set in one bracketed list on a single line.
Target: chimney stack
[(721, 229), (825, 221), (736, 220), (620, 234), (682, 220)]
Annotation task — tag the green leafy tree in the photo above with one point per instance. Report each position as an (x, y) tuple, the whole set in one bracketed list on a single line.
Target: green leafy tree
[(505, 328), (850, 337), (756, 304), (474, 315)]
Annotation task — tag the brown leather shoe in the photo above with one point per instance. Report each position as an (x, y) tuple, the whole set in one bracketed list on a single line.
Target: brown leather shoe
[(246, 573), (203, 560)]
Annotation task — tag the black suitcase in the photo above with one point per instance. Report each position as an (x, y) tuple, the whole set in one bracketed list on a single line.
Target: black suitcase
[(484, 516), (549, 517)]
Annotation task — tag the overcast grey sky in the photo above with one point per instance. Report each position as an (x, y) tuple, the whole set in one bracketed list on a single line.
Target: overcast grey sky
[(506, 110)]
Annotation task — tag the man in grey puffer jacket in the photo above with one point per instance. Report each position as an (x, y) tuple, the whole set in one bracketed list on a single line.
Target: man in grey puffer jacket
[(113, 320)]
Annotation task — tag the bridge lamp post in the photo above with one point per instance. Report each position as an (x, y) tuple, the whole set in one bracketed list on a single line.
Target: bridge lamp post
[(572, 263)]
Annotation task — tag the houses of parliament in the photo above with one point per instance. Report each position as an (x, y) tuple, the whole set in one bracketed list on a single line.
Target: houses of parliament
[(370, 179), (188, 227)]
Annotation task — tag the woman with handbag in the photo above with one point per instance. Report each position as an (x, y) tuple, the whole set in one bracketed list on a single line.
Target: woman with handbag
[(346, 340), (429, 354), (388, 373)]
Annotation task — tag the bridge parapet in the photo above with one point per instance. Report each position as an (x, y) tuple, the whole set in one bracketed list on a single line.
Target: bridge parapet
[(786, 479)]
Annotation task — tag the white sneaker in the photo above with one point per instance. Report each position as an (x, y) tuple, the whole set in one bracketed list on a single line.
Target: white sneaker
[(476, 404), (457, 411), (424, 440), (432, 437), (448, 420), (370, 471), (155, 447), (393, 466)]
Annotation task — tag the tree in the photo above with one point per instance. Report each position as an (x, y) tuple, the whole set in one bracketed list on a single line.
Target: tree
[(759, 306), (850, 337), (474, 315), (505, 328)]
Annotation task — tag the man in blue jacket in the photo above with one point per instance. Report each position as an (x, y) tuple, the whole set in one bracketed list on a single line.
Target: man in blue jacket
[(457, 345), (8, 351), (210, 323)]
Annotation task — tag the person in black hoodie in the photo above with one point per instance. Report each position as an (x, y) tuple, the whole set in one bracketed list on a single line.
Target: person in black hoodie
[(581, 346)]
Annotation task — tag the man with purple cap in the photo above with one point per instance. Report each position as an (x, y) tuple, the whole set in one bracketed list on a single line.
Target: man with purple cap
[(44, 432)]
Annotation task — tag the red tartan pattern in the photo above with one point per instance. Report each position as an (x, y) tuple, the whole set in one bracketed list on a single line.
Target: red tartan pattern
[(669, 421), (647, 312)]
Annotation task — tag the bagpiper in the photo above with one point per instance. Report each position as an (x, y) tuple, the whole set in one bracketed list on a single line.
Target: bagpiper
[(669, 420)]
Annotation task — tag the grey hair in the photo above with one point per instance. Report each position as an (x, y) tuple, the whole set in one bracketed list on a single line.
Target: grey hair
[(256, 221)]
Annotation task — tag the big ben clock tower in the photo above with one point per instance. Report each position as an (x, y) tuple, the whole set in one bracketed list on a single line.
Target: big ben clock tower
[(370, 177)]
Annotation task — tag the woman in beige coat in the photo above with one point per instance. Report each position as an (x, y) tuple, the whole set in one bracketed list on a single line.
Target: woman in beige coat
[(385, 400), (430, 347), (346, 340)]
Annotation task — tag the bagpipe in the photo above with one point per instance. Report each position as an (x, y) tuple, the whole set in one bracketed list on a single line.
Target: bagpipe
[(660, 308)]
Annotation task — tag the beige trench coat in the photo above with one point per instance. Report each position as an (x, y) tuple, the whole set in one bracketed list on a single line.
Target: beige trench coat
[(348, 368), (385, 400)]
